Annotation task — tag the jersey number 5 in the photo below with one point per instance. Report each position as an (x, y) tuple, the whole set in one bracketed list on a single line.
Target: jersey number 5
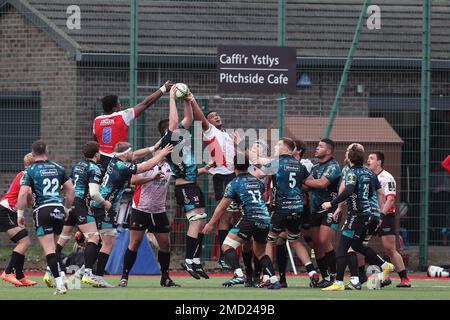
[(292, 181)]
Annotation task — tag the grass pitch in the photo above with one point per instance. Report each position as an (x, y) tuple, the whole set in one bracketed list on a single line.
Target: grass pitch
[(148, 288)]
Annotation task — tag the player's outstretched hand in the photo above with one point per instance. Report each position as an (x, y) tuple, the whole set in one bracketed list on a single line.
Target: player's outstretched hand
[(207, 228), (336, 214), (189, 97), (167, 149), (173, 91), (159, 175), (326, 205), (168, 84), (107, 205), (21, 222)]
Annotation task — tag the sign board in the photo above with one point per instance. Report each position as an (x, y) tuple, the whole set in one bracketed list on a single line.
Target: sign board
[(256, 69)]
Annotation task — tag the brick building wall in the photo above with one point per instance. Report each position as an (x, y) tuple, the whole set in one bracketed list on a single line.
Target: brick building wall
[(31, 61)]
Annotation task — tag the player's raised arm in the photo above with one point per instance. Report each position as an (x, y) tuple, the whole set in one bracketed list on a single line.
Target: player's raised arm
[(173, 113), (149, 164), (188, 115), (141, 153), (198, 113), (148, 101)]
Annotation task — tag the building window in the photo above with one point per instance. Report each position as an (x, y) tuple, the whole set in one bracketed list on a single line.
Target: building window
[(20, 118)]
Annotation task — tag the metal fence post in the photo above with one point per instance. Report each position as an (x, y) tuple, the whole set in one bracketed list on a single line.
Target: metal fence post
[(425, 134), (133, 67), (281, 42)]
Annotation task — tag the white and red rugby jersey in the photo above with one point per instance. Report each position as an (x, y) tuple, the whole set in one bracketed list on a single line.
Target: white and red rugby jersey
[(221, 146), (389, 186)]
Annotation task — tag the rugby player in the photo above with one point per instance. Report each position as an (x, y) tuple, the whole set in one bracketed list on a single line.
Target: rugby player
[(45, 180), (149, 214), (324, 188), (358, 275), (8, 223), (247, 191), (288, 175), (86, 177), (253, 275), (222, 148), (119, 171), (188, 194), (387, 230), (281, 249), (360, 218), (112, 127)]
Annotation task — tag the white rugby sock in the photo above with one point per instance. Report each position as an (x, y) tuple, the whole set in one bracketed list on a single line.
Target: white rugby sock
[(311, 273), (59, 282), (273, 279)]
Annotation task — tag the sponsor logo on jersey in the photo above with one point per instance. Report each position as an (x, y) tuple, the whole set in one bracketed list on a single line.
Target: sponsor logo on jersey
[(252, 185), (107, 122), (391, 186), (48, 172)]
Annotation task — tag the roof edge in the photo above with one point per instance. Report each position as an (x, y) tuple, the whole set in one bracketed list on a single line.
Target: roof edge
[(43, 23)]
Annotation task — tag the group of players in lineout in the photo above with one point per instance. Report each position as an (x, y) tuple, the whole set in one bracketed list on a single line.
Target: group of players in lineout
[(273, 200)]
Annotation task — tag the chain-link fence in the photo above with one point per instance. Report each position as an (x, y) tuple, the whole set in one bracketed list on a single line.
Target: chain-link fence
[(56, 63)]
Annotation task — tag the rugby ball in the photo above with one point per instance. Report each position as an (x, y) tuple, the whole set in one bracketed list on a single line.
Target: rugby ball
[(182, 90)]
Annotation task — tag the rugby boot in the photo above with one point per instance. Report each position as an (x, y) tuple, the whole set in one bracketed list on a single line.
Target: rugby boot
[(189, 268), (167, 282), (200, 271), (334, 287), (314, 280), (49, 280), (123, 283), (351, 286), (27, 282), (404, 283), (11, 278), (234, 281)]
